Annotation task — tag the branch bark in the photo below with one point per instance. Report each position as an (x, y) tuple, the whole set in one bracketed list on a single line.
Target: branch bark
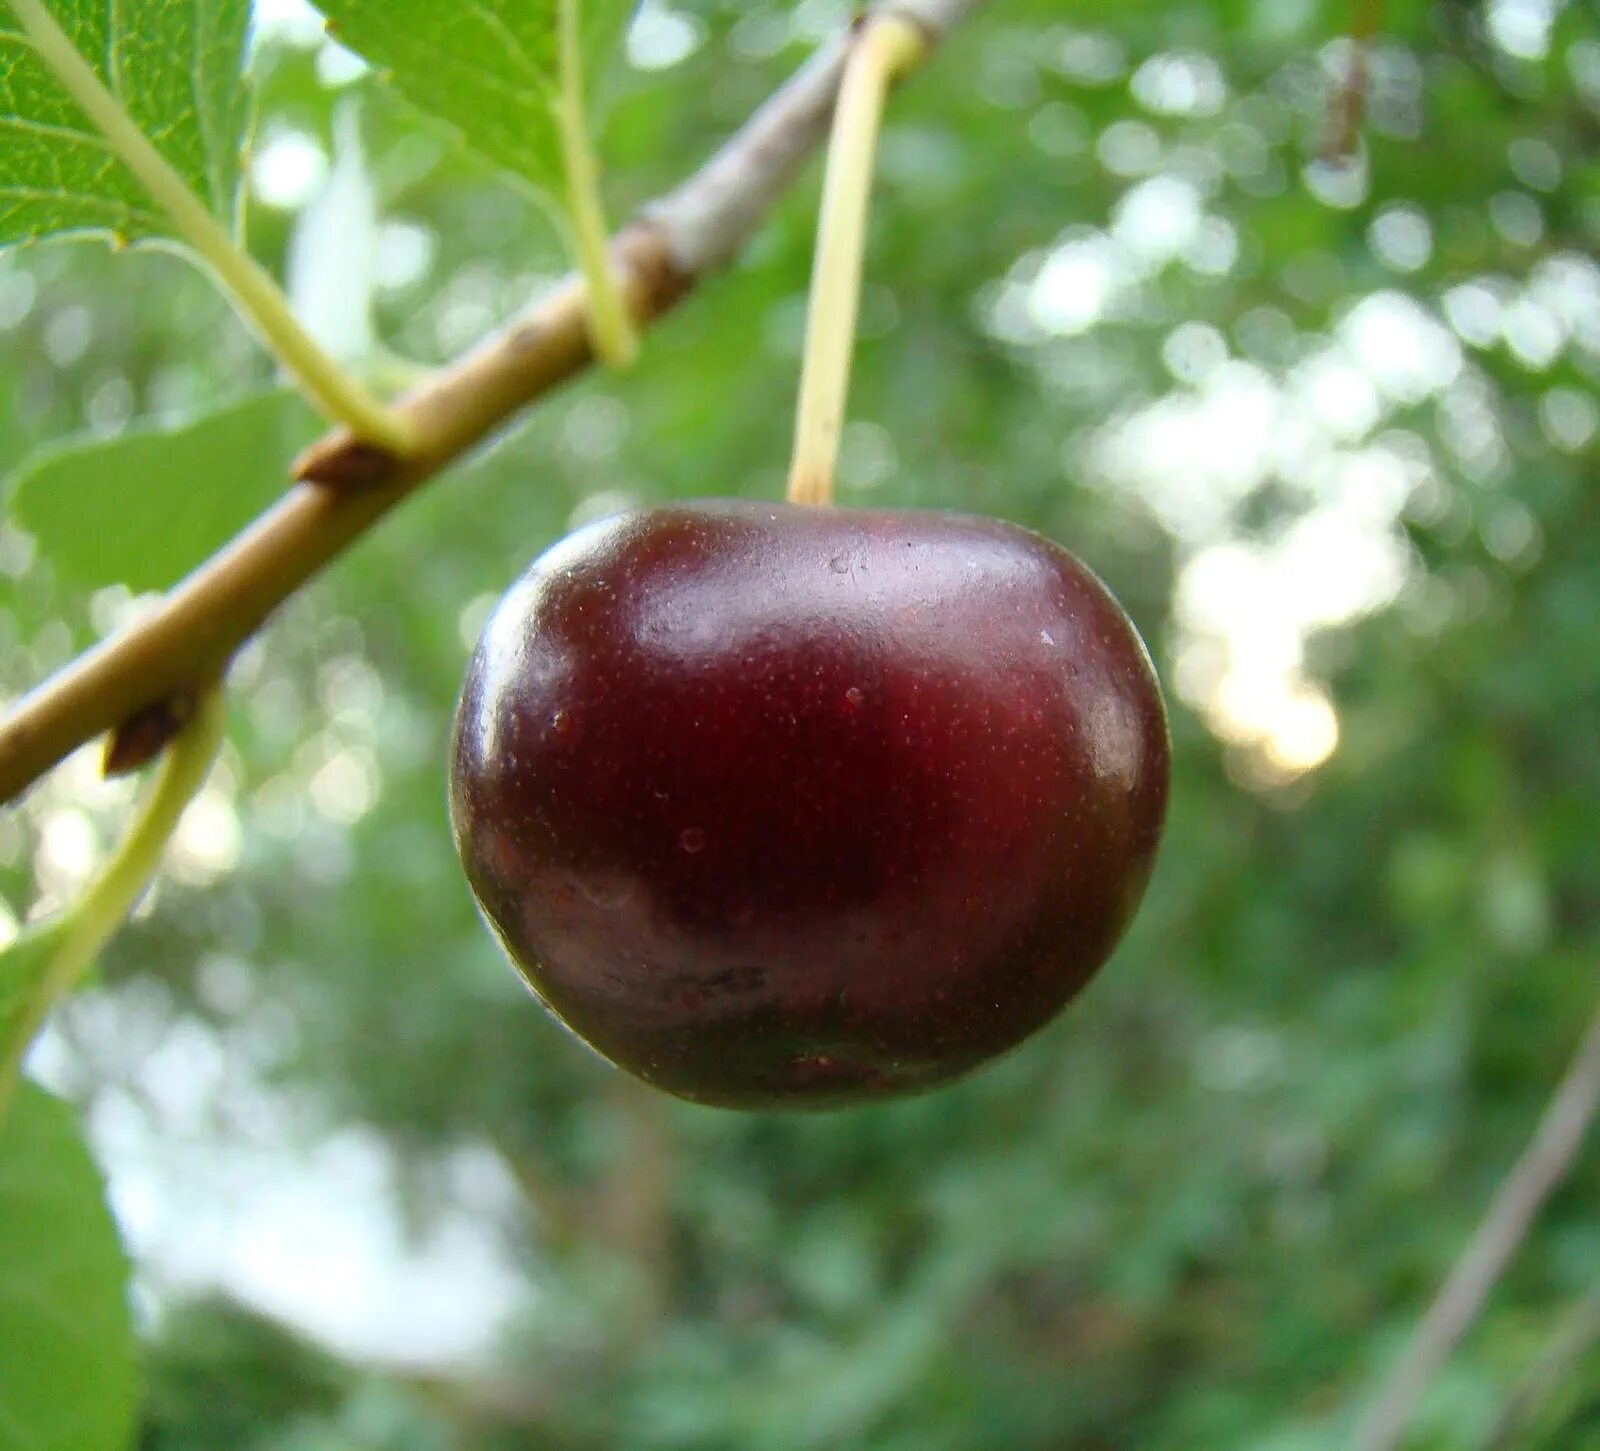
[(344, 487), (1543, 1165)]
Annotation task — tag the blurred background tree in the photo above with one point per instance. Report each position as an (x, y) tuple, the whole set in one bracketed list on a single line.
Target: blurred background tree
[(1328, 428)]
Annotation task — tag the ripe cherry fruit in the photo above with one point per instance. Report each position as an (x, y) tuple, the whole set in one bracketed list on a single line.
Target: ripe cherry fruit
[(780, 806)]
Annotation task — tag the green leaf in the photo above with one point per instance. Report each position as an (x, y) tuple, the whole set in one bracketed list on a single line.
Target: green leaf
[(145, 508), (489, 69), (66, 1336), (174, 65)]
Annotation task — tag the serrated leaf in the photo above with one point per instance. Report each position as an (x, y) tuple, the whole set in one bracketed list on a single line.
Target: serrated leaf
[(489, 68), (175, 66), (145, 508), (66, 1335)]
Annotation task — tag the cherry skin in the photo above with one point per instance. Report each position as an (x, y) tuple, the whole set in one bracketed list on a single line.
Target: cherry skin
[(781, 806)]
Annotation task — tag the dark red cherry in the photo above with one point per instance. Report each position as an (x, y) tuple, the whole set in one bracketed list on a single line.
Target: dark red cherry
[(788, 807)]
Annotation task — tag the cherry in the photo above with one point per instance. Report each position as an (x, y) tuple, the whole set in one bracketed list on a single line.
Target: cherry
[(782, 806)]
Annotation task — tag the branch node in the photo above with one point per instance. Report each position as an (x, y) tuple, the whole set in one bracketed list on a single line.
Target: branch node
[(343, 462), (146, 733), (658, 283)]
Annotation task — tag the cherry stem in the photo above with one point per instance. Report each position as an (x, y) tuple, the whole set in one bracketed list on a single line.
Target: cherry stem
[(885, 49)]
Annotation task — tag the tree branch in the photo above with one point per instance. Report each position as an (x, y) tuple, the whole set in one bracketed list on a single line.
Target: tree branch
[(346, 487), (1543, 1165)]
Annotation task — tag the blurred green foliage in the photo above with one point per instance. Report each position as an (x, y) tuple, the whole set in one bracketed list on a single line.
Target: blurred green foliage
[(1204, 1208), (71, 1370)]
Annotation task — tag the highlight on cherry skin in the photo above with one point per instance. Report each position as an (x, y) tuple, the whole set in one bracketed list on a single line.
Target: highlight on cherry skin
[(789, 807)]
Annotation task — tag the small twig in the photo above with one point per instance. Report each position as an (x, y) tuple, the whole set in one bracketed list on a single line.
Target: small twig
[(194, 631), (1349, 100), (1543, 1165), (1577, 1336)]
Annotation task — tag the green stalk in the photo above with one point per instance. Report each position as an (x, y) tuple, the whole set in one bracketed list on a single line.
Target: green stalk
[(72, 939), (611, 328), (885, 50), (258, 297)]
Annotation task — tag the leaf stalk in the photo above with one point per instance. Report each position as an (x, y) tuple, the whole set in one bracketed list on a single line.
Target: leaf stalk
[(611, 325), (73, 938), (330, 387)]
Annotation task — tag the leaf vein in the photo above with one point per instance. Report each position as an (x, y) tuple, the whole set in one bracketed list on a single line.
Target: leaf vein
[(515, 48)]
